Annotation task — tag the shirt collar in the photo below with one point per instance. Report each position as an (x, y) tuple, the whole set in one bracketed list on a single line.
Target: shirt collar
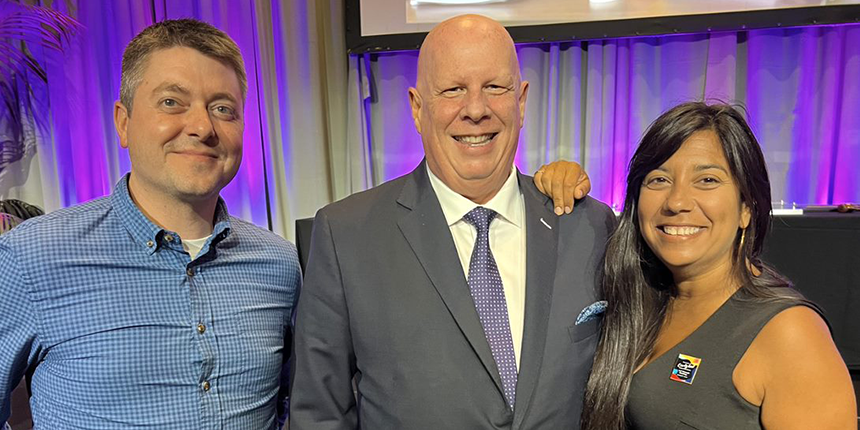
[(149, 235), (507, 202)]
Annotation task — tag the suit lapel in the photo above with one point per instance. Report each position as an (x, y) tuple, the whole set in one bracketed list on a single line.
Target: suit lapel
[(541, 255), (427, 232)]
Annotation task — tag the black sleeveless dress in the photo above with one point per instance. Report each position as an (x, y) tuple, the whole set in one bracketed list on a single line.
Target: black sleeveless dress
[(690, 386)]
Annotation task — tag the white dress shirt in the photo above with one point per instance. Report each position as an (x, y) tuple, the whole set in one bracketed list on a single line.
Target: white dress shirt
[(507, 242)]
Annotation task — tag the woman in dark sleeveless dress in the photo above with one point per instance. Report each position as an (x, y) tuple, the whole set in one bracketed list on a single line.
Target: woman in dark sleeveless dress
[(698, 332)]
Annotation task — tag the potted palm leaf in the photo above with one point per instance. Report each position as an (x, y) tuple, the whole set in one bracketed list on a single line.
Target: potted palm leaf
[(22, 28)]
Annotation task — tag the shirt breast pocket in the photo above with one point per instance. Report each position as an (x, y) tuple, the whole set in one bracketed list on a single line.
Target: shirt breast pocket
[(583, 331)]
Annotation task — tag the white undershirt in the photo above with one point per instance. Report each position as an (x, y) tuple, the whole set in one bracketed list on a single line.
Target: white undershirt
[(507, 242), (193, 246)]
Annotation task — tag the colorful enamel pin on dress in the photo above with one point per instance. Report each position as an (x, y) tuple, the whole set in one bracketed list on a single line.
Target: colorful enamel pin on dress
[(685, 368)]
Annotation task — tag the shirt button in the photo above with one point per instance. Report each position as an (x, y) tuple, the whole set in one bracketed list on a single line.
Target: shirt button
[(201, 328), (149, 243), (168, 238), (190, 272), (206, 386)]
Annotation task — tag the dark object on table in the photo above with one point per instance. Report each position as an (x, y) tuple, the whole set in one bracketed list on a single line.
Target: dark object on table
[(843, 208), (20, 209)]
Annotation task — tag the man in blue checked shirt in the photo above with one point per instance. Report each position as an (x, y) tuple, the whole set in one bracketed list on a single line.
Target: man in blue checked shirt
[(152, 307)]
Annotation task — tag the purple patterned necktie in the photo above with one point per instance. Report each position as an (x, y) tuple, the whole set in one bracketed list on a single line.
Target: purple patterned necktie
[(485, 284)]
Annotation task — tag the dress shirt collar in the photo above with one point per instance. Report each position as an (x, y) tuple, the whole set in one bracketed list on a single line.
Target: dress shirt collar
[(507, 202), (150, 236)]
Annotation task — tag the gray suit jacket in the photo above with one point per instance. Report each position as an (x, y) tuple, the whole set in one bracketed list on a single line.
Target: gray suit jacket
[(385, 300)]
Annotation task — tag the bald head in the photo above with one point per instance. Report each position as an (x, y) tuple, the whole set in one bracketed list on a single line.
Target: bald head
[(468, 105), (465, 33)]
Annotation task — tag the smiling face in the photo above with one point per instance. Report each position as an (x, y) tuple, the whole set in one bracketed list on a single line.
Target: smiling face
[(184, 137), (469, 104), (690, 209)]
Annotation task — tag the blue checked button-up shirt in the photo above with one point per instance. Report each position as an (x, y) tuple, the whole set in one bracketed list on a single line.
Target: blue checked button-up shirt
[(126, 331)]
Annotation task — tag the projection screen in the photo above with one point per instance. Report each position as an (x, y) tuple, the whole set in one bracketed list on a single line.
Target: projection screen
[(384, 25)]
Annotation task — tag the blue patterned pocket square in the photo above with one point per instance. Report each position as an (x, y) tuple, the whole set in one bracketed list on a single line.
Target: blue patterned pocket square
[(591, 312)]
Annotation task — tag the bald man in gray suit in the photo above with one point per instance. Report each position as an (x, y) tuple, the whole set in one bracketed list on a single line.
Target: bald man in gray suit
[(451, 295)]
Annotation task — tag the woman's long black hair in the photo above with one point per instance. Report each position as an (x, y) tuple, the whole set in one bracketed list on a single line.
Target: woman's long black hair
[(638, 286)]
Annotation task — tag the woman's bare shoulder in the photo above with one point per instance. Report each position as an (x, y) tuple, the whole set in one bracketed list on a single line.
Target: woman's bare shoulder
[(803, 380)]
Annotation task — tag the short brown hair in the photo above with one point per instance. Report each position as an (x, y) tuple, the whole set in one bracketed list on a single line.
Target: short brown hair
[(189, 33)]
